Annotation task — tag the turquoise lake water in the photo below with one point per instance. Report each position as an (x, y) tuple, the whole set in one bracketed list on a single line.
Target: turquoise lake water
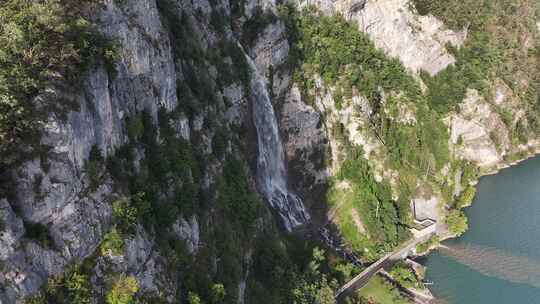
[(498, 259)]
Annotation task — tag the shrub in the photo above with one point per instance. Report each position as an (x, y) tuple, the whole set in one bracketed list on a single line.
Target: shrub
[(313, 286), (218, 293), (78, 287), (240, 64), (470, 172), (466, 197), (193, 298), (457, 222), (2, 223), (457, 14), (219, 143), (112, 243), (71, 287), (141, 203), (122, 290), (37, 299), (36, 186), (135, 127), (404, 275), (424, 247), (219, 20), (184, 44), (124, 214)]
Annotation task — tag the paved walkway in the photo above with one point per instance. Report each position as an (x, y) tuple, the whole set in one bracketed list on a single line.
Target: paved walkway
[(398, 254)]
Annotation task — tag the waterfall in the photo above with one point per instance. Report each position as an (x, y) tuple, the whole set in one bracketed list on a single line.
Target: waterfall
[(271, 170)]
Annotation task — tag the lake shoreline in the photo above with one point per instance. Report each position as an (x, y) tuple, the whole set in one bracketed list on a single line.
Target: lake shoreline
[(492, 171), (496, 188), (532, 150)]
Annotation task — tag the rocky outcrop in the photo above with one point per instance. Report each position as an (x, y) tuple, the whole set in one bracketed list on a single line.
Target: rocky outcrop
[(188, 231), (418, 41), (477, 132), (306, 136), (140, 259), (12, 230), (271, 47), (393, 26), (425, 208), (306, 144)]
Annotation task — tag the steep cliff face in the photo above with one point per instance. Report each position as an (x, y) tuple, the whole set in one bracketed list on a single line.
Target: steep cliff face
[(54, 191), (59, 213), (473, 128)]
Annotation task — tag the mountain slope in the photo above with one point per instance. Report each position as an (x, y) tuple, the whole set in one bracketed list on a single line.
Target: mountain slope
[(142, 158)]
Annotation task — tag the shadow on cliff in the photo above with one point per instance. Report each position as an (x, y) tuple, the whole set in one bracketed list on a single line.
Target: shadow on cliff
[(306, 146)]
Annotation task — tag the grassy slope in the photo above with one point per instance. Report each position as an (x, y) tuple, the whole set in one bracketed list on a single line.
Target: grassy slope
[(381, 292)]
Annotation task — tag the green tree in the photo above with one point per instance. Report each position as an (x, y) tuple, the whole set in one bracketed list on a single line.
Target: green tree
[(135, 127), (235, 195), (124, 214), (466, 197), (425, 246), (313, 287), (94, 167), (346, 271), (37, 299), (403, 274), (193, 298), (457, 222), (218, 293), (78, 287), (122, 290), (112, 243)]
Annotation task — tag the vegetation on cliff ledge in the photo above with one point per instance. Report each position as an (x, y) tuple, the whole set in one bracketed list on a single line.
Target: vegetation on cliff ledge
[(42, 45), (385, 219), (503, 43), (371, 219)]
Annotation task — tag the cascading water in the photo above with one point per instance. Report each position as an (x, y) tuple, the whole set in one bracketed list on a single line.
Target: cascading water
[(271, 171)]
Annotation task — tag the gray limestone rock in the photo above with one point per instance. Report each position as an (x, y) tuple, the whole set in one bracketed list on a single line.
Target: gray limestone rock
[(57, 195), (188, 231)]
